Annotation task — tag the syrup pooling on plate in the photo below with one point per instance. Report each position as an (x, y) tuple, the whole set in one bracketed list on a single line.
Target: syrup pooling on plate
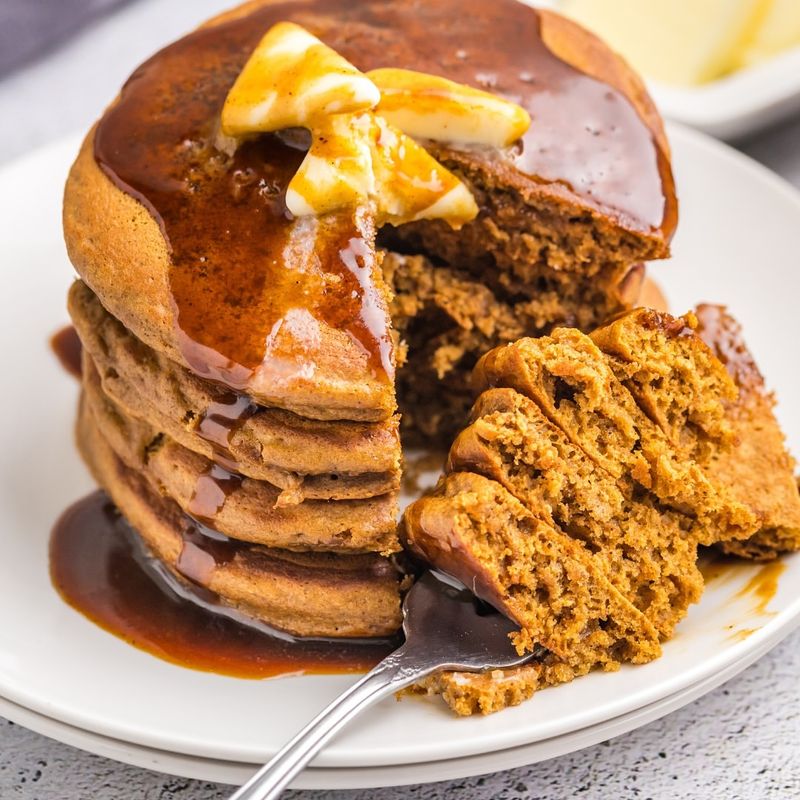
[(236, 252), (761, 586), (98, 565)]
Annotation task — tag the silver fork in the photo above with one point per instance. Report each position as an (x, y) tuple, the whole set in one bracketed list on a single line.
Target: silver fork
[(445, 629)]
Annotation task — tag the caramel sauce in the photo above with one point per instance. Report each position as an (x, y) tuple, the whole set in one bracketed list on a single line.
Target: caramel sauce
[(220, 422), (211, 491), (100, 568), (742, 634), (251, 285), (241, 266), (204, 550), (68, 348), (762, 586), (584, 133)]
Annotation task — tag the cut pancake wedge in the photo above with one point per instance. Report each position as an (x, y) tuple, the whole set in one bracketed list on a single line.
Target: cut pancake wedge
[(551, 585)]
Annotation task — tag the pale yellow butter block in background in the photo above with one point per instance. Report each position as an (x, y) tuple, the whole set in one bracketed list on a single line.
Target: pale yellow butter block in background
[(675, 41), (779, 30)]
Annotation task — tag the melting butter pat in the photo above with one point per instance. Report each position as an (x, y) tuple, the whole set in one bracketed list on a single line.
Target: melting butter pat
[(357, 158), (430, 107), (291, 80), (412, 184), (337, 170), (360, 159)]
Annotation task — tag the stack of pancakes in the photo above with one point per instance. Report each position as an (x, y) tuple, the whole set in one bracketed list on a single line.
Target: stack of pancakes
[(288, 518), (243, 368)]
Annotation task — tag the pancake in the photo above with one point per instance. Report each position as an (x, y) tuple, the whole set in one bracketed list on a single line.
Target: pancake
[(560, 594), (673, 376), (574, 384), (760, 467), (267, 444), (649, 554), (448, 317), (241, 360), (306, 594), (312, 369), (709, 398), (241, 508), (469, 693), (296, 313)]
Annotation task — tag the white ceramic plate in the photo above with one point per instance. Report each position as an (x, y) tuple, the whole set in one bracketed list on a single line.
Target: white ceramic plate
[(739, 237), (234, 772)]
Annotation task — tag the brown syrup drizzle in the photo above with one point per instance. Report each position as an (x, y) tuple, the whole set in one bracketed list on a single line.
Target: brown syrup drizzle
[(220, 422), (68, 349), (203, 551), (251, 285), (99, 567), (761, 587), (217, 426), (584, 132), (211, 491)]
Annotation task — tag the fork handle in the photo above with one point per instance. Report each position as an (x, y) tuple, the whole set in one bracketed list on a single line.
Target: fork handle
[(391, 675)]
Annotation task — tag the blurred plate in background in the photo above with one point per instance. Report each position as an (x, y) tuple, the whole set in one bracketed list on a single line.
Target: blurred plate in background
[(739, 104)]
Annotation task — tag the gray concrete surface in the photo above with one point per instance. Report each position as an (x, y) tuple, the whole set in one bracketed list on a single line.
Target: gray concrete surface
[(740, 741)]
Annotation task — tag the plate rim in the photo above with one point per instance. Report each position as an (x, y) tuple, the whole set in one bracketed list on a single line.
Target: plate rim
[(351, 778)]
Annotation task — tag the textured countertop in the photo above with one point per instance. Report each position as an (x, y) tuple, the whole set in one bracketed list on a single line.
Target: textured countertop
[(740, 741)]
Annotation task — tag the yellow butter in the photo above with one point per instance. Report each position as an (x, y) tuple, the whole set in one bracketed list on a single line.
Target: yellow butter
[(431, 107), (675, 41), (412, 185), (779, 30), (337, 170), (360, 159), (290, 80)]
